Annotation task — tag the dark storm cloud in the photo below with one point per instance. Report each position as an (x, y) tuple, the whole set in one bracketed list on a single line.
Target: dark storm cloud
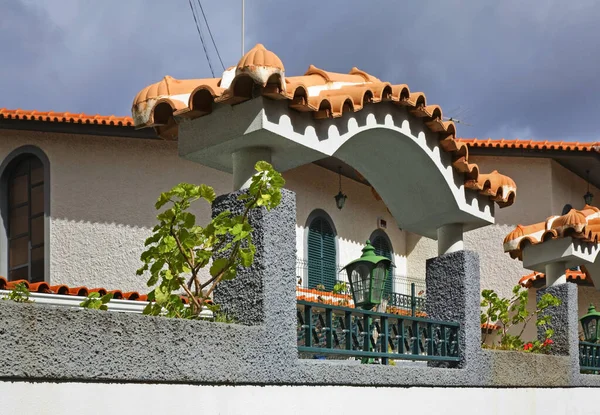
[(509, 68)]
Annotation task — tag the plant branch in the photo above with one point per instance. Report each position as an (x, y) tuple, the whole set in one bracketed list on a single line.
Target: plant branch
[(193, 298), (179, 246)]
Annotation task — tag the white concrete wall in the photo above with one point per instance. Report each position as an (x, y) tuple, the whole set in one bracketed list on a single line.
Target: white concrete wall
[(103, 191), (316, 187), (84, 399), (543, 188)]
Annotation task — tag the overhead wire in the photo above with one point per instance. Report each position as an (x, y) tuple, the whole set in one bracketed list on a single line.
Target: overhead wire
[(210, 33), (202, 39)]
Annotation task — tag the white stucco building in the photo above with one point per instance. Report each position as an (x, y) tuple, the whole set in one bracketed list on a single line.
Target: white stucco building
[(78, 191)]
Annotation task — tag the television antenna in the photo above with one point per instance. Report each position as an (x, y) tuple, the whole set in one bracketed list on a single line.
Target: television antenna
[(243, 23), (458, 115), (456, 120)]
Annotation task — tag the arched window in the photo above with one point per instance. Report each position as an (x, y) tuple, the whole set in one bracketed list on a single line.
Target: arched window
[(24, 214), (383, 248), (322, 258)]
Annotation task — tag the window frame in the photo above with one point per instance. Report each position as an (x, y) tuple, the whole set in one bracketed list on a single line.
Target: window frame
[(6, 167), (380, 233), (320, 214)]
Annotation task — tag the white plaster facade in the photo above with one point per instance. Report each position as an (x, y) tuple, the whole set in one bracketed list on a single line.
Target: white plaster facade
[(103, 191), (544, 187)]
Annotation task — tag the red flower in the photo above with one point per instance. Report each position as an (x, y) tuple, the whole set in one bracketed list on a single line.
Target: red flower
[(548, 342), (527, 346)]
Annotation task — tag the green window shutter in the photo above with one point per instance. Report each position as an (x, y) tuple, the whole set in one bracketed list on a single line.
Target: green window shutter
[(382, 248), (322, 264)]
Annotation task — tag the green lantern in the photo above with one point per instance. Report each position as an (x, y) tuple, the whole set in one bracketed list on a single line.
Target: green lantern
[(591, 325), (367, 277)]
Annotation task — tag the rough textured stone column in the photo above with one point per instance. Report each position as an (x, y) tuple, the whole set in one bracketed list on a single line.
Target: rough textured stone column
[(453, 295), (264, 293), (565, 322)]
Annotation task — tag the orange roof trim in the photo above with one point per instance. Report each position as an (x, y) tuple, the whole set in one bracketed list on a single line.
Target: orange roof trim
[(490, 326), (321, 93), (65, 117), (537, 279), (581, 224), (61, 289), (531, 144)]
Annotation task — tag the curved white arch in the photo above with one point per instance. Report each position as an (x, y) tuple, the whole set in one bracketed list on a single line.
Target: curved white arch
[(392, 149)]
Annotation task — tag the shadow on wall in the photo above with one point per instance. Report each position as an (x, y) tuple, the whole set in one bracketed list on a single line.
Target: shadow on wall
[(315, 188), (118, 180)]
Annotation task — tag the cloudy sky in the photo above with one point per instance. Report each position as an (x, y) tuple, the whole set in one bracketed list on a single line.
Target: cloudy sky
[(508, 68)]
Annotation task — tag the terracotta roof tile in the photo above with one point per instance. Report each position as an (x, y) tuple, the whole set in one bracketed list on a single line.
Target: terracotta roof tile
[(537, 279), (43, 287), (532, 144), (65, 117), (582, 224), (490, 326), (322, 93)]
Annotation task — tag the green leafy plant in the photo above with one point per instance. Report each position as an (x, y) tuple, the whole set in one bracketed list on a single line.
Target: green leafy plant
[(179, 248), (220, 316), (96, 302), (19, 294), (340, 287), (508, 312)]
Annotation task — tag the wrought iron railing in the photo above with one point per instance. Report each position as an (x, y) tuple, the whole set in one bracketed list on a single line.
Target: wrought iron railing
[(330, 330), (589, 357), (408, 302), (408, 293)]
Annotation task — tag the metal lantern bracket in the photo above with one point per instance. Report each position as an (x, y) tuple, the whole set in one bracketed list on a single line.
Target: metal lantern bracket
[(591, 325), (340, 198), (367, 276)]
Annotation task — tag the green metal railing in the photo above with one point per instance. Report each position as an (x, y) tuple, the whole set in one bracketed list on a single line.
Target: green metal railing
[(408, 294), (409, 302), (589, 357), (324, 329)]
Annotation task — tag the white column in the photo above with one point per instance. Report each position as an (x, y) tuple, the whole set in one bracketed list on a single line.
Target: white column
[(556, 273), (243, 165), (450, 238)]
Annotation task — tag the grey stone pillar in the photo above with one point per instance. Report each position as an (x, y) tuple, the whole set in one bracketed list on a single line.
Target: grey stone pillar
[(565, 322), (453, 295), (265, 293)]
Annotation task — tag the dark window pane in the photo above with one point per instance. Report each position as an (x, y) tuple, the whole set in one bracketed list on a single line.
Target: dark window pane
[(19, 219), (37, 254), (37, 230), (19, 251), (19, 274), (37, 170), (37, 264), (37, 199), (18, 190), (21, 168)]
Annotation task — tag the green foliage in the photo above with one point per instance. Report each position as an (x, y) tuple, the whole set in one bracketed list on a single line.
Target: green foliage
[(508, 312), (220, 316), (340, 287), (96, 302), (179, 248), (19, 294)]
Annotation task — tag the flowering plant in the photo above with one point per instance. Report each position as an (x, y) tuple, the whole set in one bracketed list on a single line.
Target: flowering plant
[(538, 346), (508, 312)]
